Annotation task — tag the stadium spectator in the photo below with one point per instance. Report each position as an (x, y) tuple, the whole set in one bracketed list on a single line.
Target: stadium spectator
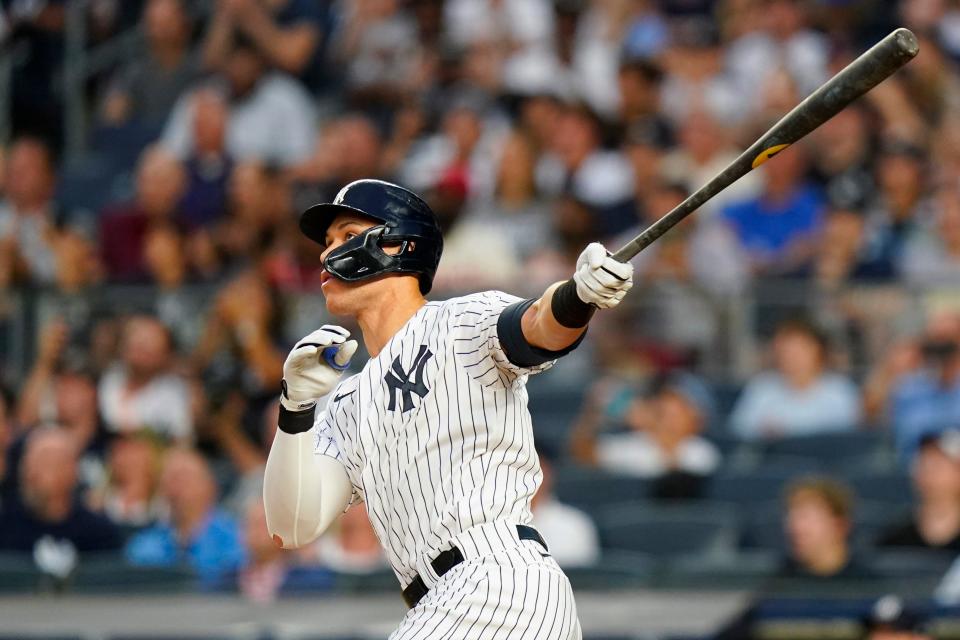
[(663, 442), (817, 522), (28, 215), (377, 46), (784, 37), (926, 399), (931, 257), (288, 33), (128, 496), (570, 533), (238, 347), (703, 255), (267, 566), (160, 183), (246, 454), (800, 396), (145, 89), (36, 29), (696, 79), (60, 389), (196, 532), (348, 148), (935, 522), (353, 546), (838, 257), (842, 157), (639, 81), (598, 177), (891, 619), (704, 150), (172, 269), (514, 209), (209, 166), (140, 392), (48, 519), (899, 205), (272, 118), (779, 228)]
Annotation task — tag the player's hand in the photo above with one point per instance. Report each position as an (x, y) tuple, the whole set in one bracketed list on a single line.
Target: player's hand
[(601, 280), (314, 366)]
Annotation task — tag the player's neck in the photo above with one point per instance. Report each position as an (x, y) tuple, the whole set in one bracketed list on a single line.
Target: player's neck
[(381, 321)]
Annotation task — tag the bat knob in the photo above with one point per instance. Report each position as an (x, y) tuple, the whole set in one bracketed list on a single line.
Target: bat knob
[(330, 357)]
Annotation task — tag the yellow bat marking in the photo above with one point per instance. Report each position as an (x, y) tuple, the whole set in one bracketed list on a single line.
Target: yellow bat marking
[(766, 154)]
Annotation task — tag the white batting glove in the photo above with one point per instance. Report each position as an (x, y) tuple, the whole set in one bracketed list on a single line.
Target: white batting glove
[(314, 366), (601, 280)]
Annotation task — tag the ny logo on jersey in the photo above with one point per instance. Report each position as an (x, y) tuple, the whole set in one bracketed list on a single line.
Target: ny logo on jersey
[(400, 381)]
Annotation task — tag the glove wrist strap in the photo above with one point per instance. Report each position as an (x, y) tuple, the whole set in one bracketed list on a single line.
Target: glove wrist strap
[(294, 422), (567, 307)]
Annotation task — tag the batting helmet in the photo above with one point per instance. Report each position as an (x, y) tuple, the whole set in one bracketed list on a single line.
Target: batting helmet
[(404, 218)]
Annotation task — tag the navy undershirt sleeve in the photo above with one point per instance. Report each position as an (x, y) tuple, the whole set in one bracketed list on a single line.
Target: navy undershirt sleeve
[(518, 351)]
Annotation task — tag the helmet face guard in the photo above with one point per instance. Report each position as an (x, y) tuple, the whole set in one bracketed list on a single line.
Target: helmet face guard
[(363, 257), (404, 220)]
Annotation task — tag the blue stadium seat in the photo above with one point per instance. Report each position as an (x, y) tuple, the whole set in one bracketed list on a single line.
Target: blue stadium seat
[(554, 411), (123, 144), (893, 487), (826, 448), (592, 489), (669, 530), (615, 569), (88, 185), (111, 574), (765, 484)]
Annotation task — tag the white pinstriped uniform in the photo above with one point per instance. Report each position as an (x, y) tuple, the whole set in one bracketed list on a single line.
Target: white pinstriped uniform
[(437, 439)]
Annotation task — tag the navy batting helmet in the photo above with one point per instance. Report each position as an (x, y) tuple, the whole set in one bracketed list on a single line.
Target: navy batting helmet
[(406, 221)]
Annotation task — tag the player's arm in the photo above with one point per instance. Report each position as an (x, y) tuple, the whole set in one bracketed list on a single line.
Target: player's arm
[(303, 493), (560, 316)]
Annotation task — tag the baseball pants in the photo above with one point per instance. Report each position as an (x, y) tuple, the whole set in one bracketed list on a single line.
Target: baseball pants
[(511, 594)]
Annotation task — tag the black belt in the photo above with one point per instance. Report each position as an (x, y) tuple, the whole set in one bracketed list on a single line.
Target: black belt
[(452, 557)]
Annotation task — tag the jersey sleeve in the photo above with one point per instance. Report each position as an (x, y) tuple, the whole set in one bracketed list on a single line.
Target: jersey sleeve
[(481, 343)]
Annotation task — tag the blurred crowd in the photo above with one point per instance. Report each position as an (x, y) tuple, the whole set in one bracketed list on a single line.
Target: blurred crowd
[(175, 278)]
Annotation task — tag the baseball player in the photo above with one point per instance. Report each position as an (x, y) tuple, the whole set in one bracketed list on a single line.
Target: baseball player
[(433, 434)]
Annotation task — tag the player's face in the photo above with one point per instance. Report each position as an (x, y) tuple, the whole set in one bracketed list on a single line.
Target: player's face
[(347, 298)]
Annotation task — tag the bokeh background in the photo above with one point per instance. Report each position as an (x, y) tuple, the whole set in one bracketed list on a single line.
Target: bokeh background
[(763, 439)]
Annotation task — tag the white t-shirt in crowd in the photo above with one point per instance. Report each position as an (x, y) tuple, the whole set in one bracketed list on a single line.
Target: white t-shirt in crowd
[(569, 533), (639, 455), (161, 406)]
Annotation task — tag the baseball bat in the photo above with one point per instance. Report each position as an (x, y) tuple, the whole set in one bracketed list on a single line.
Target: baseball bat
[(861, 75)]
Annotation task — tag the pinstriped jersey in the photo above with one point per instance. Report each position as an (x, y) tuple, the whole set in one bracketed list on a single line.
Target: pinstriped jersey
[(435, 432)]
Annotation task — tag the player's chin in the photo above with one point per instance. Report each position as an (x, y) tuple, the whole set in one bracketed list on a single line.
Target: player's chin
[(337, 294)]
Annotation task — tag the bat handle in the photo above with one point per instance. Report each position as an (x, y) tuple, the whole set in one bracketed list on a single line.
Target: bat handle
[(330, 357)]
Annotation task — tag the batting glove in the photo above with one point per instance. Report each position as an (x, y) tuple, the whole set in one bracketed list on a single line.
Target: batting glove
[(601, 280), (314, 366)]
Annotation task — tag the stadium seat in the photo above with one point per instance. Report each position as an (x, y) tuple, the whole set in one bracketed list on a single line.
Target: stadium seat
[(123, 144), (669, 530), (553, 411), (616, 569), (19, 574), (592, 489), (764, 484), (110, 574), (893, 487), (828, 450), (84, 188), (736, 570)]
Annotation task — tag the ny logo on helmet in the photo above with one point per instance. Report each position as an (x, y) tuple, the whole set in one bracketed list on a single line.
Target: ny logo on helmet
[(400, 382)]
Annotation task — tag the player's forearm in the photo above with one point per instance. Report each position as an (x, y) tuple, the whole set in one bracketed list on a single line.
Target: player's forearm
[(541, 327), (303, 493)]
